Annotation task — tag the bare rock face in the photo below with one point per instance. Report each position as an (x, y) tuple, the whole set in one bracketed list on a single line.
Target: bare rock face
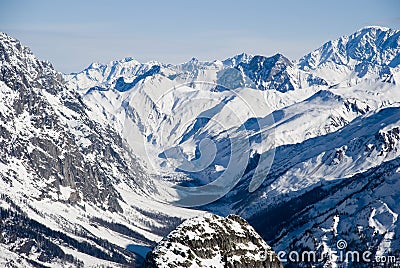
[(213, 241)]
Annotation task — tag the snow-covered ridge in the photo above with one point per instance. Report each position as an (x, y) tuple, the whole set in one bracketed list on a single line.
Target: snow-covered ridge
[(371, 52), (260, 72)]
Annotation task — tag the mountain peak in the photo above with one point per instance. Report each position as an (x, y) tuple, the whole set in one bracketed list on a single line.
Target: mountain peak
[(269, 72), (126, 59), (94, 65), (235, 60), (194, 60), (213, 241), (374, 27), (279, 56), (368, 48), (3, 36), (11, 44)]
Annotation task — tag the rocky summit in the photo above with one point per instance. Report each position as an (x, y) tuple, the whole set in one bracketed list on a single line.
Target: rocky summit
[(213, 241)]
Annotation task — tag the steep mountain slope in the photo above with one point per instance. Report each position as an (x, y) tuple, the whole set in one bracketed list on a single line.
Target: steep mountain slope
[(213, 241), (71, 191), (339, 186)]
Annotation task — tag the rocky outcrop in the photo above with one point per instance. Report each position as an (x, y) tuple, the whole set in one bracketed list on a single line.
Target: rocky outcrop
[(213, 241)]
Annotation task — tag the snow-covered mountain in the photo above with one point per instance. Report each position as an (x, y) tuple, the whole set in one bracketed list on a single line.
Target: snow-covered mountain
[(372, 53), (271, 108), (276, 72), (307, 151), (213, 241)]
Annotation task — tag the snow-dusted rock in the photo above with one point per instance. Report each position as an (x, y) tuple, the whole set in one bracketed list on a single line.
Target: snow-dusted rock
[(213, 241)]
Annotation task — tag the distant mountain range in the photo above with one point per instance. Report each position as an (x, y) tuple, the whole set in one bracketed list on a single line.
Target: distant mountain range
[(98, 166)]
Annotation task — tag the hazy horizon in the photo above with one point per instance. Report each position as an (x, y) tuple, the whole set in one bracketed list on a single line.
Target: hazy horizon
[(74, 34)]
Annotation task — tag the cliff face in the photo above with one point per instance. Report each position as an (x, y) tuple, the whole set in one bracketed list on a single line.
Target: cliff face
[(213, 241)]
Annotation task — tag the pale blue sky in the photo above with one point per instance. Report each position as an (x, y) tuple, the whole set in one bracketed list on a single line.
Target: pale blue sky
[(72, 34)]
